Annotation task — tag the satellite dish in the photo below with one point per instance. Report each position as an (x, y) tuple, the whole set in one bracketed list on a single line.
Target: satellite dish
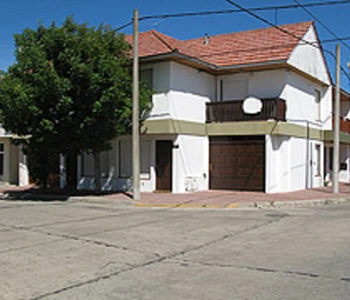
[(252, 106)]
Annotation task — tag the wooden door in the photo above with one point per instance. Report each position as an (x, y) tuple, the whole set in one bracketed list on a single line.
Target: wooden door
[(164, 165)]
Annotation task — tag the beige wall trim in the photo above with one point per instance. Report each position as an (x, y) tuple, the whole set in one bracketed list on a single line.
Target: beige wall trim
[(264, 128), (344, 137), (170, 126)]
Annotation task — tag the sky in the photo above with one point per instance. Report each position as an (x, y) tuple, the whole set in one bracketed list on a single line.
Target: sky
[(16, 15)]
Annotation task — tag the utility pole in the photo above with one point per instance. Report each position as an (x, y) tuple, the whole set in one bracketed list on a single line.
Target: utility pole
[(336, 125), (135, 112)]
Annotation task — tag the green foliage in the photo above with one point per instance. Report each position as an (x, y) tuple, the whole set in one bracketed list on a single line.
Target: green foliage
[(70, 89)]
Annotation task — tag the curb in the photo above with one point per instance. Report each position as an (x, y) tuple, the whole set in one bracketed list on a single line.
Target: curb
[(262, 205), (130, 203), (72, 199), (185, 205)]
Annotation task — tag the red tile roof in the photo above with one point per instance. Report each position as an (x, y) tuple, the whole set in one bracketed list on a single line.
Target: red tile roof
[(247, 47)]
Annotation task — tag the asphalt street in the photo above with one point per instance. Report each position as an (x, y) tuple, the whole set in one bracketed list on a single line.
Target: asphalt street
[(79, 250)]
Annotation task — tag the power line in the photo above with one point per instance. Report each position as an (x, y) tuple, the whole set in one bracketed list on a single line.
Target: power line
[(346, 38), (230, 11), (248, 11), (321, 23), (121, 27)]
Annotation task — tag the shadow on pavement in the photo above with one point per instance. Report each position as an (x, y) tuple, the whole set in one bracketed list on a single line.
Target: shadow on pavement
[(53, 194)]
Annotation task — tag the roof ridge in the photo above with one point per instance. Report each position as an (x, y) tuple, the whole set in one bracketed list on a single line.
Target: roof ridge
[(158, 36), (252, 30)]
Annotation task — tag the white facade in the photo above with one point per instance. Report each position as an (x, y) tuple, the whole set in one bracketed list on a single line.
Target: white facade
[(13, 165), (292, 162), (180, 92)]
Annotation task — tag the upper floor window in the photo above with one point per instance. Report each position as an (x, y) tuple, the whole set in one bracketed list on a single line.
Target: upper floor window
[(318, 105), (146, 76), (233, 89)]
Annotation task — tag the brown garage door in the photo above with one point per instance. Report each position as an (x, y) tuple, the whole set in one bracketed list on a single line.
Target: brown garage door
[(237, 163)]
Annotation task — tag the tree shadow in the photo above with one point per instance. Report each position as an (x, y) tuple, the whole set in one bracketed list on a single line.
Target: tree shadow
[(55, 194)]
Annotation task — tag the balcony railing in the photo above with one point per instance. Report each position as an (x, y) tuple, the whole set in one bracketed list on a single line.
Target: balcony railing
[(344, 124), (232, 111)]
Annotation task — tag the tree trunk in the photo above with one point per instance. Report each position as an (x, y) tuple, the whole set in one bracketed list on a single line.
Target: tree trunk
[(97, 171)]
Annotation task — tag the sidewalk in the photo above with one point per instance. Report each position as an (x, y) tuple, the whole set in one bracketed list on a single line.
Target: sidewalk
[(234, 199), (205, 199)]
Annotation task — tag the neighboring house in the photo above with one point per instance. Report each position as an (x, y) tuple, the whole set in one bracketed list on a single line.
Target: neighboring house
[(197, 136), (344, 150), (13, 167)]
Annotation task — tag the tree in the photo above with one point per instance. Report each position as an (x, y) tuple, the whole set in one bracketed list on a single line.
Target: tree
[(70, 90)]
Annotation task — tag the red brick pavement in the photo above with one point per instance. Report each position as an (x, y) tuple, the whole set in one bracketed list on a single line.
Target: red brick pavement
[(212, 197), (229, 197)]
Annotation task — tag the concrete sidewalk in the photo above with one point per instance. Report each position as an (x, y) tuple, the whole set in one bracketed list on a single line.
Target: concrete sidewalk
[(206, 199)]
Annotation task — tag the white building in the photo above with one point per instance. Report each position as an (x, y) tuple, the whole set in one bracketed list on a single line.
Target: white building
[(13, 165), (344, 151), (197, 136)]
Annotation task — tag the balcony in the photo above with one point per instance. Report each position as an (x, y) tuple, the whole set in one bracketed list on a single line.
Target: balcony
[(232, 111)]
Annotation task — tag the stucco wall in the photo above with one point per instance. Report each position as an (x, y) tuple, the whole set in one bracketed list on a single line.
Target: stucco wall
[(161, 87), (11, 162), (118, 177), (180, 92), (190, 164), (298, 91), (108, 170), (5, 177), (344, 158), (264, 84), (23, 172), (190, 90), (291, 164), (301, 105), (309, 59)]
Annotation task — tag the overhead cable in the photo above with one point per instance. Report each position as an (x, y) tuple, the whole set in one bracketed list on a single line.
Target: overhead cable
[(248, 11), (321, 23)]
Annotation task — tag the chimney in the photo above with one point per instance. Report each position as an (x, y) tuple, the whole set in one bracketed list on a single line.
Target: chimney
[(206, 39)]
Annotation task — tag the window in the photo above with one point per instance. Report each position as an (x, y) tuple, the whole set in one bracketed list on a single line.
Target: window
[(88, 165), (318, 160), (2, 154), (104, 164), (125, 156), (318, 105), (146, 76), (125, 159), (233, 89), (145, 164)]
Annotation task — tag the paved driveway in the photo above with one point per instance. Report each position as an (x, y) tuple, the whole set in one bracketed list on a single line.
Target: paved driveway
[(76, 250)]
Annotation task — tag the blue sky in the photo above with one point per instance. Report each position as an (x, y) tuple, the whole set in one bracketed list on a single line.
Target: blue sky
[(18, 14)]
